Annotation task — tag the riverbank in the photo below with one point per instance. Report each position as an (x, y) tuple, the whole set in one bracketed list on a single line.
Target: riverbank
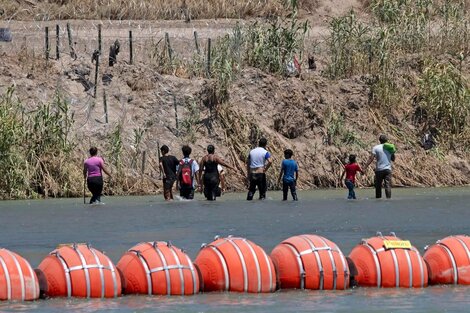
[(166, 95)]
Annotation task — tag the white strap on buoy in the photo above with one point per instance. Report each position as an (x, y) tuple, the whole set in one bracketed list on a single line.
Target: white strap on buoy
[(100, 268), (224, 266), (242, 261), (452, 259), (193, 273), (317, 257), (397, 269), (20, 274), (148, 274), (376, 261), (299, 263), (33, 282), (410, 267), (66, 271), (7, 276), (421, 264), (165, 268), (258, 270), (464, 245), (113, 275), (180, 268), (85, 269), (333, 263)]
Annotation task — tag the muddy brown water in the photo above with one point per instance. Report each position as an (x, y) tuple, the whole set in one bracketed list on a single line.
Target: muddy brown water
[(34, 228)]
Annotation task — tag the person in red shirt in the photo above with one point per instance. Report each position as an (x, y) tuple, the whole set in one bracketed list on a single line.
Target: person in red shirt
[(350, 171)]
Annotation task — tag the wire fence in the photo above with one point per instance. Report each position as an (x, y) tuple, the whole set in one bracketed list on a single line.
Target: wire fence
[(70, 48)]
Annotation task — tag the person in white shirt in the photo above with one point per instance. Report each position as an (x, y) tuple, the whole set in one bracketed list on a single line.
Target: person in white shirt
[(383, 168), (257, 163)]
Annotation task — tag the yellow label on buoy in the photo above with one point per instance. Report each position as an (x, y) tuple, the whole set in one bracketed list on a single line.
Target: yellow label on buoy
[(397, 244)]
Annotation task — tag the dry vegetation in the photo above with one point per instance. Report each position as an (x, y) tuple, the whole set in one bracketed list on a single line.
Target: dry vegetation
[(147, 9), (400, 67)]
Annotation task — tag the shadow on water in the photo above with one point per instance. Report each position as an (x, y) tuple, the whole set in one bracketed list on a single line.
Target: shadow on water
[(34, 228)]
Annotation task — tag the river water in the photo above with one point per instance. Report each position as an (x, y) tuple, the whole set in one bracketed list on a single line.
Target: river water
[(34, 228)]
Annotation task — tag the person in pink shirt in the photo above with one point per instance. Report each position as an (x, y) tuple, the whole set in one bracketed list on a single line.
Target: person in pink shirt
[(350, 171), (93, 169)]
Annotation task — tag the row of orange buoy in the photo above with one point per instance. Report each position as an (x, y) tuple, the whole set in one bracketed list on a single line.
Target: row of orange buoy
[(235, 264)]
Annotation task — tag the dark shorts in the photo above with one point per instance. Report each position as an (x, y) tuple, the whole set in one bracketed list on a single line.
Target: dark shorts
[(168, 188)]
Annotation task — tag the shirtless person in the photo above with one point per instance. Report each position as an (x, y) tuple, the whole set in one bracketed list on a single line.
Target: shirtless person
[(258, 162), (211, 177)]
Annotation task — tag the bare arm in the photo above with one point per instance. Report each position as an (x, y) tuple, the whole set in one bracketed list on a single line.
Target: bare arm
[(369, 161), (343, 174), (106, 170), (296, 175), (280, 175), (223, 163), (222, 180), (199, 173), (269, 162), (162, 172)]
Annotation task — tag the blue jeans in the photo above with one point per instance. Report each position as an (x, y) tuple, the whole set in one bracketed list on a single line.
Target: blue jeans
[(285, 190), (350, 185)]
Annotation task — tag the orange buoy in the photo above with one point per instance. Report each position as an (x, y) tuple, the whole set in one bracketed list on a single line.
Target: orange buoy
[(235, 264), (18, 281), (388, 261), (449, 260), (310, 262), (158, 268), (78, 270)]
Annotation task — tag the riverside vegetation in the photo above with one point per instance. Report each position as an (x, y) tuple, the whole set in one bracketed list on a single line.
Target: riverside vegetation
[(407, 62)]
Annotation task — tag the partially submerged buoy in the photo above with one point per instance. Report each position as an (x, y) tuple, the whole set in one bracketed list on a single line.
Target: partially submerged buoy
[(235, 264), (158, 268), (78, 270), (18, 281), (310, 262), (448, 260), (388, 261)]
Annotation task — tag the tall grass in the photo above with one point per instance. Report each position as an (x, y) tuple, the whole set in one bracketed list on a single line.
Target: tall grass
[(387, 48), (445, 96), (36, 149), (147, 9)]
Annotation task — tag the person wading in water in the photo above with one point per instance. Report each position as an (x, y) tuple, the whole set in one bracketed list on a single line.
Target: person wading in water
[(384, 153), (211, 177), (168, 166), (258, 162), (92, 172)]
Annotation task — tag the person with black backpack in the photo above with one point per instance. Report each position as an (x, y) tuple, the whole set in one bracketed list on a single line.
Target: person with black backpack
[(187, 169)]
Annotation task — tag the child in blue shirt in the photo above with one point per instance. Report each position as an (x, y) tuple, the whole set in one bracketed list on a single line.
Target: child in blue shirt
[(289, 174)]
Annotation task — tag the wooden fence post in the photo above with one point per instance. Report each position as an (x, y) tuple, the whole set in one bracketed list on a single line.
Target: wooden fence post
[(105, 105), (196, 43), (97, 67), (131, 56), (176, 113), (170, 52), (57, 41), (99, 38), (72, 50), (208, 66), (47, 43)]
